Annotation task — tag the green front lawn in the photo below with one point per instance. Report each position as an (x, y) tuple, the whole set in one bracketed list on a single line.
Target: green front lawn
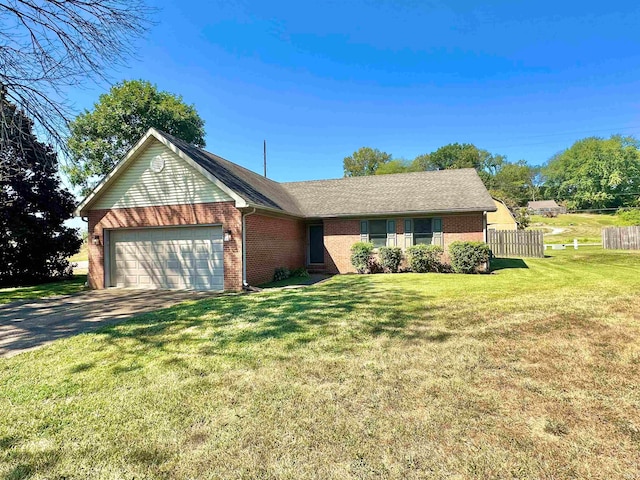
[(65, 287), (531, 372)]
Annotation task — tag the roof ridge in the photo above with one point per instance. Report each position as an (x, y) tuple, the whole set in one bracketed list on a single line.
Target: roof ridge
[(362, 177)]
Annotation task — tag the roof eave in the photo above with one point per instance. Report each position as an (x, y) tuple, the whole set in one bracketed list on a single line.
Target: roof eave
[(405, 212)]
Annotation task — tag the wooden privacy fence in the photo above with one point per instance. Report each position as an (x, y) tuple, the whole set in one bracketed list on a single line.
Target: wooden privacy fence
[(621, 238), (516, 243)]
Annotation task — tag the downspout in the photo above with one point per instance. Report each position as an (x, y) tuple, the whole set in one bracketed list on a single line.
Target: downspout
[(487, 266), (86, 219), (245, 284), (484, 226)]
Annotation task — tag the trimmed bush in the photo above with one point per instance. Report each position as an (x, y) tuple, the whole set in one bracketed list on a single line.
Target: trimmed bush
[(281, 273), (425, 258), (300, 273), (362, 257), (466, 257), (390, 258)]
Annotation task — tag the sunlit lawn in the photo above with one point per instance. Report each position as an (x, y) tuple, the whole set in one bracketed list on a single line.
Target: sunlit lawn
[(82, 255), (65, 287), (531, 372), (586, 227)]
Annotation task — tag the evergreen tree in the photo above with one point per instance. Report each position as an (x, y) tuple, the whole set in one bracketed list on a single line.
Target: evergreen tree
[(34, 243)]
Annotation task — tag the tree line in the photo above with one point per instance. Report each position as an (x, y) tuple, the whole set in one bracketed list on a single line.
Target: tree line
[(593, 173)]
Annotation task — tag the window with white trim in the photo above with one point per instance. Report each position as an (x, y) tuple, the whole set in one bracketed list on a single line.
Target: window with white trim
[(380, 232)]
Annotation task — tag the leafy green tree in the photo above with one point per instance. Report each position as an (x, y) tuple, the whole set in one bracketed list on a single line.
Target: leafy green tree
[(596, 173), (455, 155), (364, 161), (34, 243), (513, 183), (421, 163), (462, 155), (101, 137), (396, 166)]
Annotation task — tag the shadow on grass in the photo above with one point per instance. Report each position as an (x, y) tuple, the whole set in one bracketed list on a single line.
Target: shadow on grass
[(298, 317), (507, 263)]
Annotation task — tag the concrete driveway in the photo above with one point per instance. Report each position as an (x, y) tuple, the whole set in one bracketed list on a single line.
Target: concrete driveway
[(29, 324)]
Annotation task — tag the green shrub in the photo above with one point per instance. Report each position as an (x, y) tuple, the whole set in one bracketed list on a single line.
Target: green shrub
[(300, 273), (425, 258), (281, 273), (362, 257), (522, 218), (466, 257), (629, 217), (390, 258)]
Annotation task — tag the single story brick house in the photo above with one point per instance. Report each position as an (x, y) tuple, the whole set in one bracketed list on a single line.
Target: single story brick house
[(171, 215)]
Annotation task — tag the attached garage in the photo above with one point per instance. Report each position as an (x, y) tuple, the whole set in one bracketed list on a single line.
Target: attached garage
[(174, 258)]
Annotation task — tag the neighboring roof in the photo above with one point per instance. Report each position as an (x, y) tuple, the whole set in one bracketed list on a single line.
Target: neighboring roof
[(458, 190), (420, 192), (543, 204)]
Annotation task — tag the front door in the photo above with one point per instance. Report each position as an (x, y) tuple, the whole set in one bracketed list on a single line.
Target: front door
[(316, 244)]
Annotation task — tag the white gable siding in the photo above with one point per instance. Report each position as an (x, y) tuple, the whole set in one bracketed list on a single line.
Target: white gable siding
[(178, 183)]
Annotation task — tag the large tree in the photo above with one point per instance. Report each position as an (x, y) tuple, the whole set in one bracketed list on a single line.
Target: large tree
[(102, 136), (364, 161), (461, 155), (596, 173), (34, 243), (513, 183), (49, 45)]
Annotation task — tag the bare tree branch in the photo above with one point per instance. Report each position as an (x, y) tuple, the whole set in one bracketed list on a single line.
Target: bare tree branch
[(47, 46)]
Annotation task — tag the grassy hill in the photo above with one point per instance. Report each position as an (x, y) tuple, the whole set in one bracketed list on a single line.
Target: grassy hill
[(586, 227)]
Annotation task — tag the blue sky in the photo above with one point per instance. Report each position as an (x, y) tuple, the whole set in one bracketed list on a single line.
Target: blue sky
[(320, 79)]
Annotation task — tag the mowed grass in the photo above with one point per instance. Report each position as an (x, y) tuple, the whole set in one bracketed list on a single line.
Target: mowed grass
[(530, 372), (82, 255), (64, 287), (586, 227)]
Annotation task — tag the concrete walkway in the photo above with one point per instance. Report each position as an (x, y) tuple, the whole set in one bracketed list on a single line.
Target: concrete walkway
[(29, 324)]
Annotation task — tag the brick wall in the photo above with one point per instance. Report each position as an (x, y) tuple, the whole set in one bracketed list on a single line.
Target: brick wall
[(340, 234), (273, 242), (169, 215), (466, 228)]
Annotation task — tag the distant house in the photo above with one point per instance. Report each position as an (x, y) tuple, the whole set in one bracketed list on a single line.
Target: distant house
[(546, 207), (501, 219)]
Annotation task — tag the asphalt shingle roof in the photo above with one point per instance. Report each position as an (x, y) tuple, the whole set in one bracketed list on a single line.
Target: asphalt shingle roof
[(425, 192), (543, 204), (458, 190)]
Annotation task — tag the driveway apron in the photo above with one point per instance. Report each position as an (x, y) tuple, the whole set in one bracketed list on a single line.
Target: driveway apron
[(29, 324)]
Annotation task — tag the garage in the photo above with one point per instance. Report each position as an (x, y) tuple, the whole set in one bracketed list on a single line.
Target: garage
[(167, 258)]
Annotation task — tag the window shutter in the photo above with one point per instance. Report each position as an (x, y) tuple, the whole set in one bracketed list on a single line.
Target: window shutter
[(437, 232), (391, 233), (364, 231), (408, 233)]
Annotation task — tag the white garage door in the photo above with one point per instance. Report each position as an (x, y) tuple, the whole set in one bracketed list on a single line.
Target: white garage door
[(177, 258)]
